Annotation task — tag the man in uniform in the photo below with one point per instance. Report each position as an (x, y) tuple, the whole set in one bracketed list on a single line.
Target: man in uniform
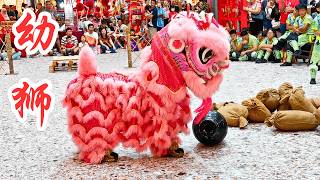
[(249, 46), (235, 46), (265, 48)]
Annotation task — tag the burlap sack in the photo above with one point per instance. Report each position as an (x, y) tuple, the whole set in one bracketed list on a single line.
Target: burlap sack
[(293, 120), (298, 101), (217, 106), (235, 114), (258, 112), (315, 102), (270, 98), (284, 91)]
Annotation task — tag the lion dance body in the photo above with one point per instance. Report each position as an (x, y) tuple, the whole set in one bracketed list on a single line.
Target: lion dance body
[(148, 109)]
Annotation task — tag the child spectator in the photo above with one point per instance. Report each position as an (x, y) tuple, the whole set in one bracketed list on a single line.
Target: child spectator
[(265, 48), (249, 46), (235, 46), (83, 42), (315, 59), (69, 46)]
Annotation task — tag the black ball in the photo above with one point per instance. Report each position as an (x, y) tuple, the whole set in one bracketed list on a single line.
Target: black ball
[(211, 130)]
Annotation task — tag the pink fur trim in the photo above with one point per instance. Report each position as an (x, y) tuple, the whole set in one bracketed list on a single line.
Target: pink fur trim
[(199, 88), (88, 63)]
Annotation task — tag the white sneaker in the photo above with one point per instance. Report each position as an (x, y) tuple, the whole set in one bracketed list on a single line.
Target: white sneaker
[(150, 24)]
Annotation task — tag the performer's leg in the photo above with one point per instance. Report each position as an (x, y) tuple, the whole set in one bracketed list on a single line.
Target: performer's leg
[(244, 58), (277, 56), (252, 56), (315, 60), (260, 54)]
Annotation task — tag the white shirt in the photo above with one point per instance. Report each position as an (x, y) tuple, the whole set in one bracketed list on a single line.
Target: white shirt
[(86, 24), (122, 28)]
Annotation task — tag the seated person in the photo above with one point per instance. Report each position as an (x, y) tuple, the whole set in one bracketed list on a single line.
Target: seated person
[(134, 41), (315, 59), (73, 41), (249, 45), (121, 31), (235, 46), (87, 22), (106, 43), (16, 55), (288, 35), (145, 34), (302, 27), (92, 38), (265, 48), (83, 42), (261, 36), (69, 46)]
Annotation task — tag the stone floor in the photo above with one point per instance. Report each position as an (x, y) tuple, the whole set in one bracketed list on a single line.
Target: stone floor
[(256, 152)]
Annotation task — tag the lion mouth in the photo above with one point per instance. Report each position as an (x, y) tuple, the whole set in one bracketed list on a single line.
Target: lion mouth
[(205, 54)]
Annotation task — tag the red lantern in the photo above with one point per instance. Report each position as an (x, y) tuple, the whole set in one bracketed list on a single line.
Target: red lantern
[(106, 12), (97, 14), (104, 3), (90, 4), (80, 7)]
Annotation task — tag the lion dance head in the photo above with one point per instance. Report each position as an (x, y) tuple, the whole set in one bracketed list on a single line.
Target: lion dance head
[(192, 51)]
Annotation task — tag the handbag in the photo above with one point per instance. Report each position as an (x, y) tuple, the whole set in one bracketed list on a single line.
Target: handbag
[(275, 24), (257, 17)]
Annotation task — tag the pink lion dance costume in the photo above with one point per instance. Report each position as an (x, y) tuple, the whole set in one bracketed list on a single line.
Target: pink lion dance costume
[(148, 109)]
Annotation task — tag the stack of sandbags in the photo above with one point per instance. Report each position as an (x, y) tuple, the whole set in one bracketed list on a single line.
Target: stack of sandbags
[(284, 91), (298, 101), (270, 98), (235, 114), (293, 120), (258, 112), (315, 102)]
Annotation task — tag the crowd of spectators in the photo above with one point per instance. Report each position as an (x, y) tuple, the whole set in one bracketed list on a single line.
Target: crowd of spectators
[(264, 44), (106, 34)]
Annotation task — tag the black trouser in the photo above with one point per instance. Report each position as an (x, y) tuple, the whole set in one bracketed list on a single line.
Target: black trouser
[(104, 49), (159, 28), (283, 43), (256, 27)]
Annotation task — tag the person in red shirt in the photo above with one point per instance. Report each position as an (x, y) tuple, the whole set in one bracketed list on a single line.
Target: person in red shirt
[(39, 8), (172, 12), (286, 7)]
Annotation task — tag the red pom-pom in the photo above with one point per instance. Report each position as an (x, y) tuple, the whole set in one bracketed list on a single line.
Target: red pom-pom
[(106, 12), (80, 7), (104, 3), (89, 3), (97, 14)]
